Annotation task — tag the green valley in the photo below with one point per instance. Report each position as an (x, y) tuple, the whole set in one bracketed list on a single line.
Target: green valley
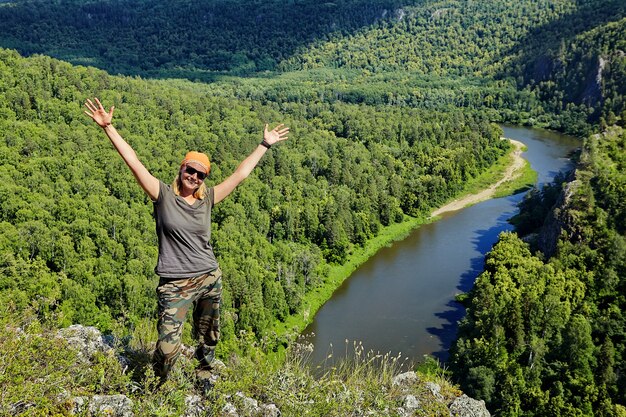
[(393, 107)]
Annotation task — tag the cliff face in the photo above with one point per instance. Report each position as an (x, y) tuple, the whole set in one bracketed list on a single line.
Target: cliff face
[(584, 69), (580, 192), (558, 218), (592, 93), (588, 89)]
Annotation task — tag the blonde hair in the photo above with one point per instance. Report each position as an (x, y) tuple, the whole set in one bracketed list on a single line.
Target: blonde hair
[(198, 193)]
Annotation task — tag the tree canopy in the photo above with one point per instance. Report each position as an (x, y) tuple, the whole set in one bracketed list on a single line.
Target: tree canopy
[(546, 335), (391, 105), (78, 231)]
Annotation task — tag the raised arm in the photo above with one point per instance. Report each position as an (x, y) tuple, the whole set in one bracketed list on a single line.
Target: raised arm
[(99, 115), (270, 137)]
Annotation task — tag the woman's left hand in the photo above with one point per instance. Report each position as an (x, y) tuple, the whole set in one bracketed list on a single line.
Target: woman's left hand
[(279, 133)]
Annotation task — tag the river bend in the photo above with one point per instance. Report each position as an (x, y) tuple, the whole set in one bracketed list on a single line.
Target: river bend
[(402, 299)]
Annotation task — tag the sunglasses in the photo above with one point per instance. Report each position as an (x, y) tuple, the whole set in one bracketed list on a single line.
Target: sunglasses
[(201, 175)]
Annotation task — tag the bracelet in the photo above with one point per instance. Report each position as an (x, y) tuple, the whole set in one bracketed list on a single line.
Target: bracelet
[(264, 143)]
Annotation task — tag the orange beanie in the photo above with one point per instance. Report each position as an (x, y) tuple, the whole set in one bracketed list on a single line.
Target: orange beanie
[(198, 158)]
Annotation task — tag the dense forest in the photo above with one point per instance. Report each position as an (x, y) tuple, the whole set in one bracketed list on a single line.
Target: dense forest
[(77, 230), (545, 331), (558, 64), (180, 37), (392, 106)]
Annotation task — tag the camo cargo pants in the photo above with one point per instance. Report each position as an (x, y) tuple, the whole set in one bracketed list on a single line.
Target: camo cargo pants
[(175, 297)]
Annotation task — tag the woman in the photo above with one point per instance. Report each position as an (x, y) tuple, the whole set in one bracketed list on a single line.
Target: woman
[(189, 273)]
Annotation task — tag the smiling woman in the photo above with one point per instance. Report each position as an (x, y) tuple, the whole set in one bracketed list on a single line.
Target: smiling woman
[(194, 169), (188, 270)]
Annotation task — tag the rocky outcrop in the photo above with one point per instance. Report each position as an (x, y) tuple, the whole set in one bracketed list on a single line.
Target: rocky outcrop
[(109, 405), (416, 396), (557, 220), (465, 406), (592, 93), (88, 341), (458, 406)]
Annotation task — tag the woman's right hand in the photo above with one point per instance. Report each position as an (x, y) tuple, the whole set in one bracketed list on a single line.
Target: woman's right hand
[(98, 113), (149, 183)]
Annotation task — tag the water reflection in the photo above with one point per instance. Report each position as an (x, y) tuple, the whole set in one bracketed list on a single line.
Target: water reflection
[(482, 242), (402, 299)]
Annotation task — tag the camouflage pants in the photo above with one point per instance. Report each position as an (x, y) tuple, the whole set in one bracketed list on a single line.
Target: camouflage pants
[(175, 297)]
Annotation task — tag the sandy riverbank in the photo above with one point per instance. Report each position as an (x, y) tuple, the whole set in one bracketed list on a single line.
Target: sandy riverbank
[(512, 172)]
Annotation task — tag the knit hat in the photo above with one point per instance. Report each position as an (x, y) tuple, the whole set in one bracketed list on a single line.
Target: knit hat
[(199, 158)]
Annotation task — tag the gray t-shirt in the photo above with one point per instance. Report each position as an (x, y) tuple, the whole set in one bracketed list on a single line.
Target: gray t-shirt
[(184, 233)]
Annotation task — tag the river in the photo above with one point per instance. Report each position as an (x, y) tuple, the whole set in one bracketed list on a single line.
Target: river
[(401, 300)]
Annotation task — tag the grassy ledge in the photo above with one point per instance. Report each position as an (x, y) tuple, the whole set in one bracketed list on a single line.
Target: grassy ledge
[(525, 179)]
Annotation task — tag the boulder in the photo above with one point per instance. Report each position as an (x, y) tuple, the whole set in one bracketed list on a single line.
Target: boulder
[(405, 380), (86, 340), (110, 405), (465, 406)]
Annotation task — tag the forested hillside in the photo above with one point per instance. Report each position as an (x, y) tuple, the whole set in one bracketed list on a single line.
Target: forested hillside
[(570, 57), (180, 38), (547, 335), (391, 105), (78, 239), (460, 37), (566, 56), (585, 74)]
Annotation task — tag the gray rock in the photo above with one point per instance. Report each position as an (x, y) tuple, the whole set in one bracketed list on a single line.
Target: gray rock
[(250, 405), (405, 380), (465, 406), (79, 405), (411, 403), (193, 406), (86, 340), (229, 410), (110, 405), (114, 405), (270, 410), (435, 390)]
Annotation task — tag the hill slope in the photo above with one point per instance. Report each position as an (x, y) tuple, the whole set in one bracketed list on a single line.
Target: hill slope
[(72, 215), (544, 334), (566, 53)]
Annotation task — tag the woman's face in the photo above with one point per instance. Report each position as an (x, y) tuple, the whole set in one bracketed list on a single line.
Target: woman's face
[(192, 175)]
